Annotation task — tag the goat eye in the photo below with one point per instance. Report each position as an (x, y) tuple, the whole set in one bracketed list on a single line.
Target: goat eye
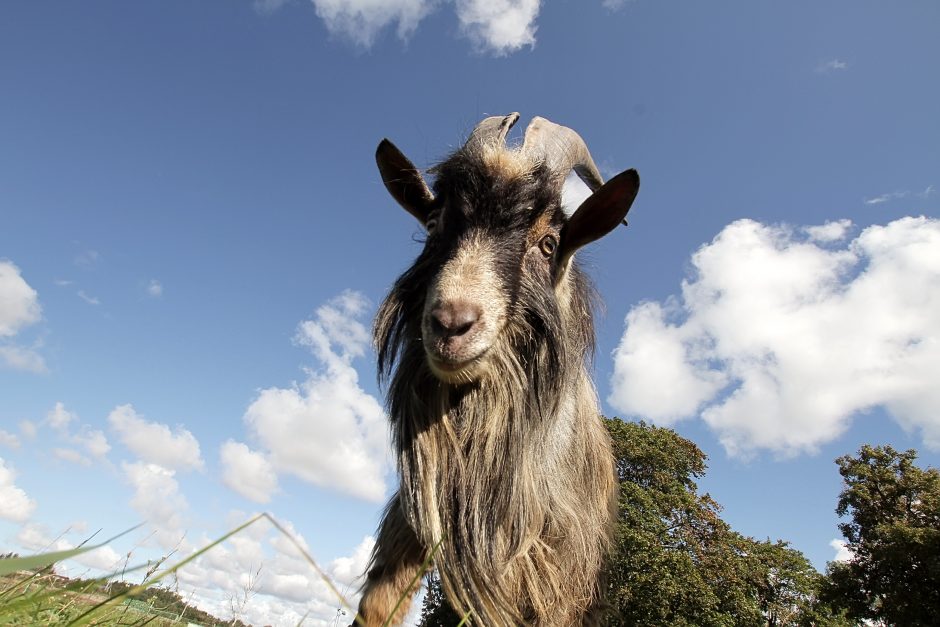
[(430, 225), (548, 244)]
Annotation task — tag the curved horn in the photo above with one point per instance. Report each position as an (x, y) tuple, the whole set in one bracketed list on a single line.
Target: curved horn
[(492, 129), (562, 150)]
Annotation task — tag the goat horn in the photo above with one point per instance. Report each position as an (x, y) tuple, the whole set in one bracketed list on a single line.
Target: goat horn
[(562, 150), (492, 128)]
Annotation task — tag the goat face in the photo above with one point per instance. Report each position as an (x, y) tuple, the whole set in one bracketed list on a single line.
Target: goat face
[(498, 245)]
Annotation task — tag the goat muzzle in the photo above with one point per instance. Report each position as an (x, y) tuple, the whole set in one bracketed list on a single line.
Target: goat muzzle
[(453, 336)]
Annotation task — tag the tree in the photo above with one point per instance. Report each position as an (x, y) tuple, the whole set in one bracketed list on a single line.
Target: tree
[(675, 562), (436, 612), (894, 537)]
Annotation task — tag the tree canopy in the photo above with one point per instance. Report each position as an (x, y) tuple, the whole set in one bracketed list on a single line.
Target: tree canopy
[(675, 561), (893, 534)]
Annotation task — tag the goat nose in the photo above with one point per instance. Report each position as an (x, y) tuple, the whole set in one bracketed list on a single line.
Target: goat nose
[(454, 318)]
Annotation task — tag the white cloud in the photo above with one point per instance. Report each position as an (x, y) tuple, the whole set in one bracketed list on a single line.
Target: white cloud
[(832, 65), (154, 442), (843, 554), (19, 308), (247, 472), (157, 498), (349, 571), (19, 303), (91, 300), (653, 352), (9, 440), (71, 455), (495, 26), (499, 26), (15, 504), (361, 20), (778, 341), (573, 193), (103, 558), (93, 441), (327, 430), (59, 418), (35, 537), (834, 231), (877, 200), (154, 288), (20, 358), (29, 429), (284, 590), (904, 193)]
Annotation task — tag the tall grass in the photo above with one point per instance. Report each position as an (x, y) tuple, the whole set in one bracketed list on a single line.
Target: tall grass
[(31, 593)]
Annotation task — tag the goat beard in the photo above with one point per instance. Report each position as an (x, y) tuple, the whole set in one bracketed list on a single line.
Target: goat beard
[(486, 467)]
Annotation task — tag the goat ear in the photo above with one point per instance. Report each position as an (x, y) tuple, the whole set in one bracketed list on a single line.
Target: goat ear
[(600, 213), (403, 180)]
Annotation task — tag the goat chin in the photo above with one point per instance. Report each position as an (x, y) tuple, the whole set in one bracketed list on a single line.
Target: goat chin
[(466, 371)]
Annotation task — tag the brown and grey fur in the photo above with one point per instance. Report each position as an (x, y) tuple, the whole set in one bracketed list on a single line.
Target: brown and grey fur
[(505, 465)]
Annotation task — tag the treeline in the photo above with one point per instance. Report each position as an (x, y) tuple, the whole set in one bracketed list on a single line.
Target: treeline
[(677, 563)]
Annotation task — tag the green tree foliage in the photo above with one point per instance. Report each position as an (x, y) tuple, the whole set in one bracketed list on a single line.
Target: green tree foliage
[(675, 562), (894, 535)]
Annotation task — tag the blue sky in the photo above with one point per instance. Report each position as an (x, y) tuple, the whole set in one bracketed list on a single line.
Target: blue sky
[(193, 239)]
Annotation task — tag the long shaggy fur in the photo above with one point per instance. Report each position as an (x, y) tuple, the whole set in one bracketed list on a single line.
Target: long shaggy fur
[(511, 472)]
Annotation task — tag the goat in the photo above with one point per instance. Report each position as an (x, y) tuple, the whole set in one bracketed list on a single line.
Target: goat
[(506, 469)]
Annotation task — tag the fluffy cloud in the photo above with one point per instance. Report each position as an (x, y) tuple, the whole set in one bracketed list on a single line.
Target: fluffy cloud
[(19, 308), (361, 20), (260, 577), (71, 456), (830, 231), (781, 335), (843, 553), (499, 26), (20, 358), (35, 537), (247, 472), (29, 429), (15, 504), (328, 430), (59, 418), (158, 500), (9, 440), (349, 571), (154, 442), (93, 441), (496, 26), (19, 303)]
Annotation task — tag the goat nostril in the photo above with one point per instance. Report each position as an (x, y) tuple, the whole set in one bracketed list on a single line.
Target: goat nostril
[(454, 318), (463, 328)]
